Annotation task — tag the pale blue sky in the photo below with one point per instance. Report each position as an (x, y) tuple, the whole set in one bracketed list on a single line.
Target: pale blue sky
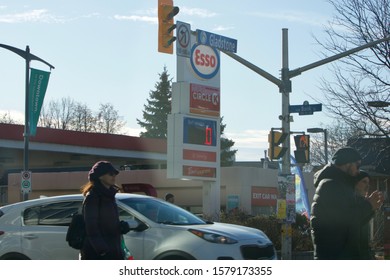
[(106, 51)]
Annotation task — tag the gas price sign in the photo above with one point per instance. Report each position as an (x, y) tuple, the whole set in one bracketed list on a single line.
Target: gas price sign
[(199, 131)]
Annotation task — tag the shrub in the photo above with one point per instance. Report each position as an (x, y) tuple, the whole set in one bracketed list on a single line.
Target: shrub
[(301, 240)]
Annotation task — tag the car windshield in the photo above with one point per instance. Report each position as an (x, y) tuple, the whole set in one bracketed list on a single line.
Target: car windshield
[(162, 212)]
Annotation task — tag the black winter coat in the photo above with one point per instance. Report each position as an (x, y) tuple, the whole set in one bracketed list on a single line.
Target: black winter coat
[(103, 238), (337, 216)]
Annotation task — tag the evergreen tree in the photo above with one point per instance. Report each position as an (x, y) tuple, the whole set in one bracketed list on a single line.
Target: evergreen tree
[(227, 154), (155, 113)]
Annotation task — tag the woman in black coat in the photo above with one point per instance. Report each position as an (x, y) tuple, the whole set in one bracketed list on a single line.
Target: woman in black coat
[(362, 186), (103, 228)]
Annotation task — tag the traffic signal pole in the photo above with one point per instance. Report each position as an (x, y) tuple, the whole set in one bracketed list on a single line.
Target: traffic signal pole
[(285, 89), (284, 85)]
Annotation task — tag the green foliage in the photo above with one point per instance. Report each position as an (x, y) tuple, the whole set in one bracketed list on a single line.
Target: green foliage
[(227, 153), (301, 240)]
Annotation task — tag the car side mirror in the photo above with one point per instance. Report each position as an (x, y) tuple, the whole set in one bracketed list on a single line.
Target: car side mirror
[(136, 225)]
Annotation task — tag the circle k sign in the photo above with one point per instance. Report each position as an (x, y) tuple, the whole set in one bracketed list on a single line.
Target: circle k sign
[(205, 61)]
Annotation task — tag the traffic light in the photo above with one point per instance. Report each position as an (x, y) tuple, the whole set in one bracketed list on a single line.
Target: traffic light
[(166, 25), (276, 138), (302, 143)]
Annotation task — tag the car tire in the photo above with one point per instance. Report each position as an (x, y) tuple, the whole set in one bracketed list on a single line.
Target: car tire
[(174, 258), (14, 256), (175, 255)]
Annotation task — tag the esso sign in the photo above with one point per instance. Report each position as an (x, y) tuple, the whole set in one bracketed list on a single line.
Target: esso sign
[(204, 61)]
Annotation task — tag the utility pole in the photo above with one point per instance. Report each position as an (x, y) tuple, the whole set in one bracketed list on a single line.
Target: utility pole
[(285, 90), (285, 87)]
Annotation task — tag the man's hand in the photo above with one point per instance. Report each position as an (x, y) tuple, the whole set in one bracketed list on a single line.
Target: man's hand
[(376, 199)]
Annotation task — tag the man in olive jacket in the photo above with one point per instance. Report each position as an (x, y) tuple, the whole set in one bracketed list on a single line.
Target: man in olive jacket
[(337, 214)]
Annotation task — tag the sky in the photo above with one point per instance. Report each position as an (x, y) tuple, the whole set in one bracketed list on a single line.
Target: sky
[(106, 52)]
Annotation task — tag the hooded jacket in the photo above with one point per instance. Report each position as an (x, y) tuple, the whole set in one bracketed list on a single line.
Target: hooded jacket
[(337, 216)]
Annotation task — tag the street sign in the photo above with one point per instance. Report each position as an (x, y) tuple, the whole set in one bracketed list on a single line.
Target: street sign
[(216, 41), (305, 108), (183, 39), (26, 182)]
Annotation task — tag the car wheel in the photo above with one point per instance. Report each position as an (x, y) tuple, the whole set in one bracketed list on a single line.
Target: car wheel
[(175, 255), (14, 256), (174, 258)]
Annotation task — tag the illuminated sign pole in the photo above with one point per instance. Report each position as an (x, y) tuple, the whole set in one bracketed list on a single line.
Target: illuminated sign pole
[(284, 85), (194, 123)]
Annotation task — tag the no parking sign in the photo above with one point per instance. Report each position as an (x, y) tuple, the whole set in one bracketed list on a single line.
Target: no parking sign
[(26, 182)]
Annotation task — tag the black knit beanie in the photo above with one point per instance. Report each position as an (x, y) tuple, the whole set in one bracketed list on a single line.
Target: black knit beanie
[(101, 168), (345, 155)]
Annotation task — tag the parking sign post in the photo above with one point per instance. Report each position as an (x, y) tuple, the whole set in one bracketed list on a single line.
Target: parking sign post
[(26, 182)]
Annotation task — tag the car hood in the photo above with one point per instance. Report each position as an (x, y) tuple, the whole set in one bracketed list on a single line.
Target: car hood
[(233, 231)]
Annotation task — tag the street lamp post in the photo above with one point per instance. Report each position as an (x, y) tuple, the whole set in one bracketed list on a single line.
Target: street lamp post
[(28, 57), (321, 130)]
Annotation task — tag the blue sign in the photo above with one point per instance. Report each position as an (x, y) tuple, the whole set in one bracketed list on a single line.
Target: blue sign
[(305, 108), (200, 131), (216, 41), (232, 203)]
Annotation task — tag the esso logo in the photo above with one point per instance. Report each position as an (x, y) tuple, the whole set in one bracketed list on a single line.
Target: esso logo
[(204, 61)]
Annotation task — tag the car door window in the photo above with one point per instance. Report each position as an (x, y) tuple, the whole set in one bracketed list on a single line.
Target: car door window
[(54, 214)]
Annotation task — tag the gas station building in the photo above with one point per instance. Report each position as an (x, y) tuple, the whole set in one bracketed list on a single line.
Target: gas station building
[(60, 160)]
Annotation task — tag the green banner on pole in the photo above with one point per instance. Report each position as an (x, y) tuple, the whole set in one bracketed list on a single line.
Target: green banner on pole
[(38, 84)]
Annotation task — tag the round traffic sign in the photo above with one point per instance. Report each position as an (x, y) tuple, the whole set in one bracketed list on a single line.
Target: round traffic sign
[(26, 175), (26, 184), (183, 36)]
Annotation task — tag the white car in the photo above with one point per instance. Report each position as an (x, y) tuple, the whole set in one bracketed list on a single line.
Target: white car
[(36, 229)]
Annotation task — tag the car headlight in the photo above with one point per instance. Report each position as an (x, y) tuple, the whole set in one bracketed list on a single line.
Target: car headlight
[(213, 237)]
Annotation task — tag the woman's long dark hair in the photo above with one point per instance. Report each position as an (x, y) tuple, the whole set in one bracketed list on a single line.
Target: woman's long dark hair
[(89, 185)]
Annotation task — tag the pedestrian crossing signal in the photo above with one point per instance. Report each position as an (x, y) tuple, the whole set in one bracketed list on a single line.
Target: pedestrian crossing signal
[(302, 153)]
